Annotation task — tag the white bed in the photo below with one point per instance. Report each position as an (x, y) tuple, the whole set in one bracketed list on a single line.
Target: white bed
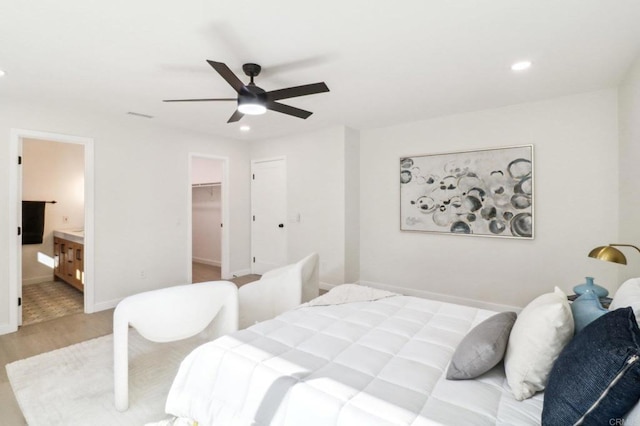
[(377, 362)]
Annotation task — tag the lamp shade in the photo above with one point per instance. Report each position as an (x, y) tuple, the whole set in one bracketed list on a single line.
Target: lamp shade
[(608, 253)]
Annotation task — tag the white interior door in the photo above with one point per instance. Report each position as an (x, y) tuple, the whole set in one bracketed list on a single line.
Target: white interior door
[(269, 213)]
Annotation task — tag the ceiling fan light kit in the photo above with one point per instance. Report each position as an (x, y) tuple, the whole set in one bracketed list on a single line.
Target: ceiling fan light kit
[(251, 107), (253, 100)]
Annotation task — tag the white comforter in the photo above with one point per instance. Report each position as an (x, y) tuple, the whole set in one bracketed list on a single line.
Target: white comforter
[(364, 363)]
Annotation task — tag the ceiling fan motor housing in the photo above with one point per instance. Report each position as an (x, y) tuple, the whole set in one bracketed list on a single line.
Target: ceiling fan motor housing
[(252, 100), (252, 70)]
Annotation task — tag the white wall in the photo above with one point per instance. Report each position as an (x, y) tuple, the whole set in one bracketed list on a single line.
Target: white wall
[(315, 191), (576, 202), (629, 106), (352, 206), (51, 171), (141, 197), (206, 170)]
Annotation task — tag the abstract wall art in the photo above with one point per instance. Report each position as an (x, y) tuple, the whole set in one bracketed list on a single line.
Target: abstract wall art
[(487, 192)]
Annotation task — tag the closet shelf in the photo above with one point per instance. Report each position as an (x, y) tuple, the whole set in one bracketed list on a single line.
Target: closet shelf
[(205, 185)]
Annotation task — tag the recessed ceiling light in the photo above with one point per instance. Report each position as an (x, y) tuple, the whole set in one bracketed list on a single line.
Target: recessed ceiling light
[(2, 73), (521, 66), (245, 128)]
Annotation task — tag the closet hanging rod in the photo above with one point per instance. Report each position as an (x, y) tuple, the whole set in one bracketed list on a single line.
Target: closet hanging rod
[(198, 185), (48, 202)]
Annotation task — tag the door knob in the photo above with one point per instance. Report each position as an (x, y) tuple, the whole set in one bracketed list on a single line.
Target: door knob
[(281, 225)]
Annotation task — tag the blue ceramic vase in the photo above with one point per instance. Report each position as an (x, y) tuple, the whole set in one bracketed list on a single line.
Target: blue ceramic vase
[(590, 287), (585, 309)]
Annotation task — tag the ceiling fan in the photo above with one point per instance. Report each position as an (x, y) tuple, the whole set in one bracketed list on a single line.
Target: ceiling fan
[(254, 100)]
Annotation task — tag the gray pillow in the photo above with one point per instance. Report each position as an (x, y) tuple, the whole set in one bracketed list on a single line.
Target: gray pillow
[(482, 348)]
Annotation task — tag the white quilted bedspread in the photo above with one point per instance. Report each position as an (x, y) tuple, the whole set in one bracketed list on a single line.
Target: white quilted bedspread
[(364, 363)]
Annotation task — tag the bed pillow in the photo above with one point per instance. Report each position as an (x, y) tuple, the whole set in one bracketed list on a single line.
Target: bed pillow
[(627, 295), (482, 348), (541, 331), (595, 379)]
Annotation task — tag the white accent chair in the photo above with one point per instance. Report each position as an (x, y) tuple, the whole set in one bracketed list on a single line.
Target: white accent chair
[(170, 314), (279, 290)]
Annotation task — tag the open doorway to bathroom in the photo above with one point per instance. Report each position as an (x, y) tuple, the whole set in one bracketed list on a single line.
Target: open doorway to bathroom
[(53, 217), (208, 213)]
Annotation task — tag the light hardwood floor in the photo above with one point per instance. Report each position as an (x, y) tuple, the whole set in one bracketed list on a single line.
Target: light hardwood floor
[(46, 336), (201, 273)]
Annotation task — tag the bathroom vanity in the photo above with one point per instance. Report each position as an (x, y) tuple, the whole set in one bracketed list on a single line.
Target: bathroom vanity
[(68, 251)]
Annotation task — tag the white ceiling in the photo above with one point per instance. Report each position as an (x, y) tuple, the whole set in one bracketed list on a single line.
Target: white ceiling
[(385, 62)]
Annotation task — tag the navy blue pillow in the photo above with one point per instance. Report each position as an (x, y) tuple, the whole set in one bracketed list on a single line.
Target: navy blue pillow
[(596, 378)]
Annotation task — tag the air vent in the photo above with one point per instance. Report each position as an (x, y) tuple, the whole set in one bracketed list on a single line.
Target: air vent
[(137, 114)]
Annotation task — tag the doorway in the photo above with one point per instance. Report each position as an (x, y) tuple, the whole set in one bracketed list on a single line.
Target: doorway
[(209, 207), (50, 168), (52, 213), (268, 214)]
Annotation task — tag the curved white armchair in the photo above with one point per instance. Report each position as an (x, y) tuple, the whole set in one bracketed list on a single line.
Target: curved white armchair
[(279, 290), (169, 314)]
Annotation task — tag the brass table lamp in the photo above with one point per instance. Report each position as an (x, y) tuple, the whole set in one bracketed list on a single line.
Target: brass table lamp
[(610, 253)]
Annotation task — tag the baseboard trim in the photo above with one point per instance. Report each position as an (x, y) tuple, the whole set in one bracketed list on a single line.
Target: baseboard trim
[(103, 306), (6, 329), (207, 261), (442, 297)]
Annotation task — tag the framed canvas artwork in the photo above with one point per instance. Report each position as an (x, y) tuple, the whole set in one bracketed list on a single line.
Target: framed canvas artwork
[(487, 192)]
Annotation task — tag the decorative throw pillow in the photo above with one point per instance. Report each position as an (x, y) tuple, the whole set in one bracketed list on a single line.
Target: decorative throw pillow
[(541, 331), (482, 348), (586, 309), (596, 379), (627, 295)]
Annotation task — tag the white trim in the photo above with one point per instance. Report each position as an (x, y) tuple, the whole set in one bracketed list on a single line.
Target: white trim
[(207, 261), (6, 329), (15, 190), (225, 252), (109, 304), (266, 160), (14, 259), (443, 297)]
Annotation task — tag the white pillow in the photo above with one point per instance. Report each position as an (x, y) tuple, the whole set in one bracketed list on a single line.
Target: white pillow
[(628, 295), (540, 333)]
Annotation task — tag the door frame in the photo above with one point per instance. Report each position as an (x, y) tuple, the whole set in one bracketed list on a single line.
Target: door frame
[(15, 213), (226, 225), (286, 192)]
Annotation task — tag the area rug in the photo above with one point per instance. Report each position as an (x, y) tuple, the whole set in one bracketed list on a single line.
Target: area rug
[(74, 385)]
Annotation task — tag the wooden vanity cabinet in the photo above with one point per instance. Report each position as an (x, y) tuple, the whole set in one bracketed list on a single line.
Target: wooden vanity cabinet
[(69, 262)]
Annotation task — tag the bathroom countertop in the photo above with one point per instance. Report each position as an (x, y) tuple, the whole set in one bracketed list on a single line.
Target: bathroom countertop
[(75, 235)]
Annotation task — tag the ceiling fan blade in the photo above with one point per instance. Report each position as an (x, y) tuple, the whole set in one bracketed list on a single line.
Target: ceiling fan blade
[(235, 117), (293, 92), (289, 110), (200, 100), (227, 74)]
